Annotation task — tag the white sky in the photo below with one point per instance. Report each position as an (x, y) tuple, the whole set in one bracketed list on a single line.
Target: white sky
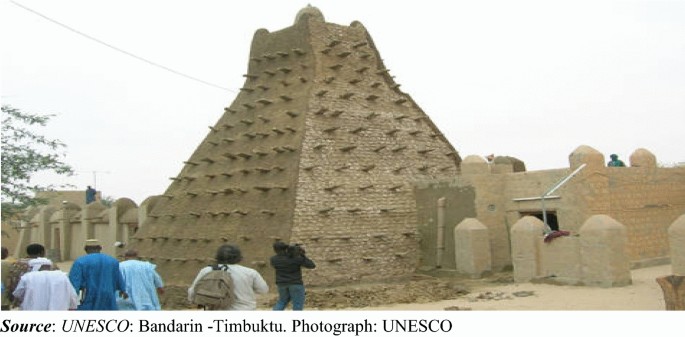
[(529, 79)]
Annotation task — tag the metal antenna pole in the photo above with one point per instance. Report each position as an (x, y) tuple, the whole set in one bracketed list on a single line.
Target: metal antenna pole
[(551, 190), (95, 177)]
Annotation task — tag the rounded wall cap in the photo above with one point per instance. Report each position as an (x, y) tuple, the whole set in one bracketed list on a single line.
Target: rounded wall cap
[(310, 11), (528, 223), (600, 222), (642, 158), (678, 226), (585, 155), (470, 224), (474, 164)]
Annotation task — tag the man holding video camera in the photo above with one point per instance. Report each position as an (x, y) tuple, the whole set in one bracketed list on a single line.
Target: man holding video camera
[(288, 263)]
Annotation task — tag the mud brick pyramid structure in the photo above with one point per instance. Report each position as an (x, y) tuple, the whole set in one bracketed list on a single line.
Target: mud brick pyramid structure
[(320, 147)]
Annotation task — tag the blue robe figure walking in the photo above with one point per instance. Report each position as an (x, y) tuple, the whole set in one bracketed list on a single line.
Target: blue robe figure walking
[(97, 277)]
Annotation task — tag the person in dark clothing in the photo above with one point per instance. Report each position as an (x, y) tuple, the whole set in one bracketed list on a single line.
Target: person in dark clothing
[(288, 263), (615, 162), (90, 195)]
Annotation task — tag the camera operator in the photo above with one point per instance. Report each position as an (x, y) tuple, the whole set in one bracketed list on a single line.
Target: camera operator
[(288, 263)]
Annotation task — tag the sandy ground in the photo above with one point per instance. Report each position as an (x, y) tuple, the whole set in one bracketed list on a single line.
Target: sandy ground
[(643, 294), (488, 294)]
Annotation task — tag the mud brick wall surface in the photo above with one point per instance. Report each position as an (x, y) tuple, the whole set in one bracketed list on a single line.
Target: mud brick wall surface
[(319, 148)]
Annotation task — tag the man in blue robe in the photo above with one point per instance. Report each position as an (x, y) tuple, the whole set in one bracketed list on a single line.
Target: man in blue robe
[(97, 276), (90, 195), (143, 283)]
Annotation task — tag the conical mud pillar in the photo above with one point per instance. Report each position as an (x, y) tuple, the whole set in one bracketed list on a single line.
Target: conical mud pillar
[(320, 147)]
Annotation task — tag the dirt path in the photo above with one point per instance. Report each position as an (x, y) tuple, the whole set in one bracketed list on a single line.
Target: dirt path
[(497, 292), (643, 294)]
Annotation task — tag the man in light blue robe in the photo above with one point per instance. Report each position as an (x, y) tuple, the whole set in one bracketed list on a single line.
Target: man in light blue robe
[(143, 284), (97, 276)]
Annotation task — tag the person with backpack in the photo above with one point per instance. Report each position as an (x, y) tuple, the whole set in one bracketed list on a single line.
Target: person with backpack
[(227, 285)]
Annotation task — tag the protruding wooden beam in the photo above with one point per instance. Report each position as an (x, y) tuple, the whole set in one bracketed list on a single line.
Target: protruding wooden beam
[(326, 210), (332, 188), (394, 188), (348, 148), (368, 168)]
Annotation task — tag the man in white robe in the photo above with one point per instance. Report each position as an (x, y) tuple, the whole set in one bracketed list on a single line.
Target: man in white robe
[(46, 289)]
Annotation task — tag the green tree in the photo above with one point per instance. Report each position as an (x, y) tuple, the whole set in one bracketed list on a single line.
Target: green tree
[(25, 152)]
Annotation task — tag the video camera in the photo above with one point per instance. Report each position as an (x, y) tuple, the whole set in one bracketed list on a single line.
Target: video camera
[(295, 250)]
